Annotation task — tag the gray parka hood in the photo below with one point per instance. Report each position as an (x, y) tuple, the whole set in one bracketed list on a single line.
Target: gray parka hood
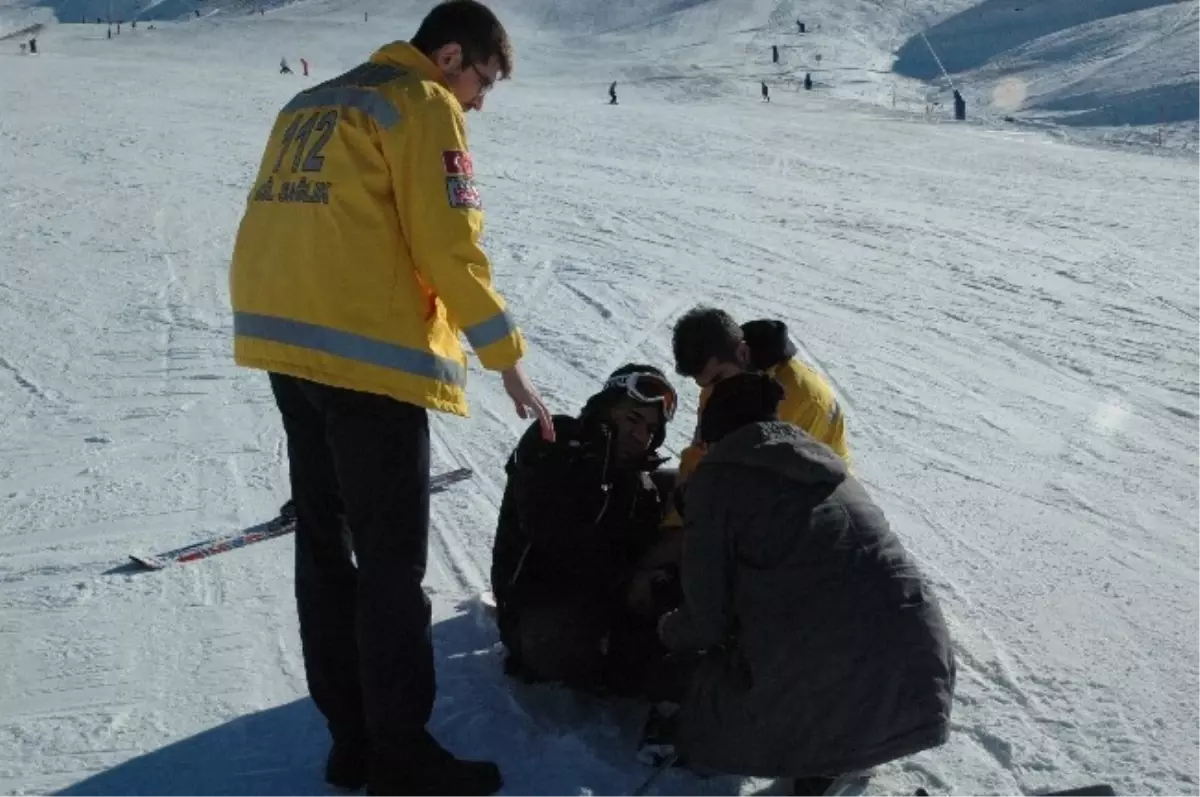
[(783, 449)]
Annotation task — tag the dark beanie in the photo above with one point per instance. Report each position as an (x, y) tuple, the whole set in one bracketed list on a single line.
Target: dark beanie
[(737, 401)]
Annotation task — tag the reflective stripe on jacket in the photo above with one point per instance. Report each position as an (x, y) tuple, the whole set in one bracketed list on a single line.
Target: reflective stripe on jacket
[(357, 263)]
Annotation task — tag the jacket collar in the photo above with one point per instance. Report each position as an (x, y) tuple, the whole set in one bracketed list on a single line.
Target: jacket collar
[(403, 54)]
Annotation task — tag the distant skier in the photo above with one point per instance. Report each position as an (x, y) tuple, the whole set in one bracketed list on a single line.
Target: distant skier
[(799, 26), (612, 93), (33, 46), (284, 69), (197, 12), (133, 24), (807, 81), (774, 53), (766, 94), (304, 66), (24, 47), (110, 31), (366, 16)]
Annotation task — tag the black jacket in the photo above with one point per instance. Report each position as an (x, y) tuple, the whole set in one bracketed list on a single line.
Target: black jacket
[(572, 523), (833, 652)]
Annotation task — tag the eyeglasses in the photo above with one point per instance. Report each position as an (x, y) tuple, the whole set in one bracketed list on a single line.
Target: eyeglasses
[(485, 82), (648, 388)]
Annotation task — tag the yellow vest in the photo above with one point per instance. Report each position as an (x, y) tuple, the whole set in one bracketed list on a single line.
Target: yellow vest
[(808, 402), (357, 262)]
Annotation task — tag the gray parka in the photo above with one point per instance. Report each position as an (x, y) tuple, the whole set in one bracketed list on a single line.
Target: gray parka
[(828, 652)]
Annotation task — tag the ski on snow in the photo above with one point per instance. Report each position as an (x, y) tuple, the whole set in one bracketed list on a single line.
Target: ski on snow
[(284, 523)]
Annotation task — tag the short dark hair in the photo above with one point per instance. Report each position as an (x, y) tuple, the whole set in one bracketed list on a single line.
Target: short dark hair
[(472, 26), (738, 401), (701, 334)]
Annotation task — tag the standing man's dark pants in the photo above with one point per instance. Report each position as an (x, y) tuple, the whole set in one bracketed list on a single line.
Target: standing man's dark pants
[(365, 631)]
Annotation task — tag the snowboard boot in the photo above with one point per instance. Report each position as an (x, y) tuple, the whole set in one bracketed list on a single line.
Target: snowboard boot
[(427, 768), (813, 785), (658, 736), (346, 767)]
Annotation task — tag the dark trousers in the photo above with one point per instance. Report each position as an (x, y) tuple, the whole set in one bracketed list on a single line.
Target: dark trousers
[(596, 648), (365, 631)]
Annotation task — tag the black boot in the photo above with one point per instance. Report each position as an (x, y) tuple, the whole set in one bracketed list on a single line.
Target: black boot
[(658, 736), (427, 768), (813, 785), (346, 767)]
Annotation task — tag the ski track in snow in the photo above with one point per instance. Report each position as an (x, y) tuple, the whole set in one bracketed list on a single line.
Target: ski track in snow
[(1009, 322)]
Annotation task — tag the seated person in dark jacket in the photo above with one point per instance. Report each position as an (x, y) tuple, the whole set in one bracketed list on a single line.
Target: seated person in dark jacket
[(828, 652), (577, 515)]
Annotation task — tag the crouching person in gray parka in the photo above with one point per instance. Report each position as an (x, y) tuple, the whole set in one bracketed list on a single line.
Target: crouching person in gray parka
[(827, 652)]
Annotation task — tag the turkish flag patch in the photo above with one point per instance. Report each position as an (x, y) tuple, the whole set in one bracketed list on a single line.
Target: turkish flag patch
[(458, 163), (462, 193)]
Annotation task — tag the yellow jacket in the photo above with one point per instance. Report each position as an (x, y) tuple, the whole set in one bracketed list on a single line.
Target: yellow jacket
[(808, 401), (357, 262)]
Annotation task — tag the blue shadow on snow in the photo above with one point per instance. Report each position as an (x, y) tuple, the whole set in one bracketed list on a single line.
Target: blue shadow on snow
[(978, 34), (547, 740), (276, 751), (1166, 104)]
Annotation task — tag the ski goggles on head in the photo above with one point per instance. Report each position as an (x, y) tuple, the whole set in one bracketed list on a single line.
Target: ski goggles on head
[(649, 389)]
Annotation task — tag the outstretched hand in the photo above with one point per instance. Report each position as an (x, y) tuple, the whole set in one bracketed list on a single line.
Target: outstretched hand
[(526, 399)]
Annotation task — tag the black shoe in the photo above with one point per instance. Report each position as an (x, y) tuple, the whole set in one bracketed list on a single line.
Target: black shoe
[(814, 785), (658, 736), (346, 767), (515, 668), (430, 769)]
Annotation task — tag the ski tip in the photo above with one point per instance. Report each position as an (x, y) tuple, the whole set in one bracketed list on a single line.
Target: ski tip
[(1093, 790), (146, 561)]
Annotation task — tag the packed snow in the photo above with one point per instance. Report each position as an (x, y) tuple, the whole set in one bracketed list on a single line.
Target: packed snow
[(1009, 318)]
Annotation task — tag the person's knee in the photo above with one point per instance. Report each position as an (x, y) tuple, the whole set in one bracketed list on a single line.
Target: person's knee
[(561, 644)]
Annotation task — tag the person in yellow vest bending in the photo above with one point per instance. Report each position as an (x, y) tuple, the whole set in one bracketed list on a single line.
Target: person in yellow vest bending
[(710, 346)]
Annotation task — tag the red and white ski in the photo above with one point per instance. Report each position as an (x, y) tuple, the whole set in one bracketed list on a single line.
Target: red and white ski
[(284, 523)]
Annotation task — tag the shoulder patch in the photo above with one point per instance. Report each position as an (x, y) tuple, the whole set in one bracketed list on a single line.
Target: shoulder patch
[(458, 162), (462, 193)]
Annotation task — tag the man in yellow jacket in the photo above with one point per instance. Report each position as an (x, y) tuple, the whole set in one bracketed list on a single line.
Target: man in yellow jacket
[(357, 266), (709, 346)]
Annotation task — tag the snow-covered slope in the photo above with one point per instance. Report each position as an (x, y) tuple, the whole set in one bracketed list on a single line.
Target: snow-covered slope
[(1104, 63), (1010, 321), (1108, 70)]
